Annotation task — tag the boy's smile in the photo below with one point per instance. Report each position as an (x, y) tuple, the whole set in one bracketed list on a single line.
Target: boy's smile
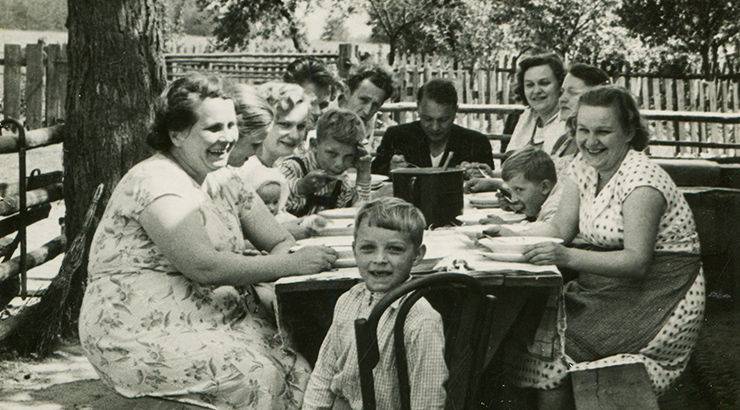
[(384, 256)]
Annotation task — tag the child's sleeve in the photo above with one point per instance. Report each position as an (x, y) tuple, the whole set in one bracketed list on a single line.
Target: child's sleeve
[(425, 350), (292, 172), (318, 394)]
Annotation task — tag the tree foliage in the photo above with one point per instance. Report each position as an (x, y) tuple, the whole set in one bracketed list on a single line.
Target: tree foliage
[(240, 21), (696, 26)]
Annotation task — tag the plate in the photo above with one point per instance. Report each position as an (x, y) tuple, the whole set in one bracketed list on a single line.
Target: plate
[(331, 241), (339, 213), (514, 244), (503, 257), (489, 199)]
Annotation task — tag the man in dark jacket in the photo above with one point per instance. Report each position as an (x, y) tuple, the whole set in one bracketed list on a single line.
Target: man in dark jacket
[(434, 139)]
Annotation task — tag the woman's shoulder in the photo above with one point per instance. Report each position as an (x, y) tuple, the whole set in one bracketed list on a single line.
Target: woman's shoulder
[(154, 177)]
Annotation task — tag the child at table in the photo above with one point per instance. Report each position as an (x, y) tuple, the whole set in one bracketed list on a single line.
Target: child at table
[(318, 179), (532, 180), (387, 244)]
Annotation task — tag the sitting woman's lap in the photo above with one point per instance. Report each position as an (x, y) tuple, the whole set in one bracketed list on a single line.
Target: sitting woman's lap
[(665, 354)]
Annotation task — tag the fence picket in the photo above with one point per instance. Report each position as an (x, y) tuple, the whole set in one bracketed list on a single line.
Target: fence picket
[(12, 81), (681, 106), (34, 86)]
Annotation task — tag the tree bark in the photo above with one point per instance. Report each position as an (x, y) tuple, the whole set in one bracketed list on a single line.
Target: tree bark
[(116, 71)]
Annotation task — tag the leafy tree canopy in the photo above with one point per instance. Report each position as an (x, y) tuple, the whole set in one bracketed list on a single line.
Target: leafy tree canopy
[(696, 26)]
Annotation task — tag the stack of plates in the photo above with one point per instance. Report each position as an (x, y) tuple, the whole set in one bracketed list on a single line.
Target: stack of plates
[(484, 200), (376, 181), (510, 248), (339, 213)]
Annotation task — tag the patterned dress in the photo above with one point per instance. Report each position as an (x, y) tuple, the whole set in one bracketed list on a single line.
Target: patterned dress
[(150, 331), (653, 319)]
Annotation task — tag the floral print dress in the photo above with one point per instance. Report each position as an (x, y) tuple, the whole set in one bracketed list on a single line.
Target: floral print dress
[(150, 331)]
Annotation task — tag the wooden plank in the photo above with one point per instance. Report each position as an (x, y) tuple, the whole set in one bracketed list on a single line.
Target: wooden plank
[(35, 138), (13, 223), (736, 108), (702, 106), (671, 133), (47, 252), (645, 94), (621, 387), (715, 132), (694, 106), (54, 87), (12, 81), (658, 105), (34, 86), (681, 106), (635, 86), (45, 195), (725, 92)]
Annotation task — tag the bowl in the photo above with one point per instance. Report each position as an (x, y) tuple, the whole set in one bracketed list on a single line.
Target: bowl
[(514, 244)]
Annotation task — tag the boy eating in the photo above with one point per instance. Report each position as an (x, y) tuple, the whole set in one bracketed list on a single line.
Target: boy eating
[(388, 243), (317, 179), (532, 181)]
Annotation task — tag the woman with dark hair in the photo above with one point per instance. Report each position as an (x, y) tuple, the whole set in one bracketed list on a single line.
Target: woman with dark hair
[(639, 293), (580, 78), (539, 78), (169, 308)]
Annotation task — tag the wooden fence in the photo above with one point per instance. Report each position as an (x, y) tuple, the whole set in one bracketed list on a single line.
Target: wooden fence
[(34, 87)]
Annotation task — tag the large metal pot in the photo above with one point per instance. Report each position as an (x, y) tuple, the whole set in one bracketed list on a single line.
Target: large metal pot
[(437, 192)]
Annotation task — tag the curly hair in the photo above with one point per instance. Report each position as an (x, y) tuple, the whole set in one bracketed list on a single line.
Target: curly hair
[(282, 97), (175, 109), (550, 59), (381, 77), (628, 113)]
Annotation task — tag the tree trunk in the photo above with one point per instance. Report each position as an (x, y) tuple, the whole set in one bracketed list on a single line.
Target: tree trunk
[(116, 70)]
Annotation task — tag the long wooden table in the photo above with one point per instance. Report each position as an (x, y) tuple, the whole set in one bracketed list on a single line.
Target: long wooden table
[(529, 298)]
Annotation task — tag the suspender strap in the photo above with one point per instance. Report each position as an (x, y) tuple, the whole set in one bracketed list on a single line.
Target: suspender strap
[(317, 201)]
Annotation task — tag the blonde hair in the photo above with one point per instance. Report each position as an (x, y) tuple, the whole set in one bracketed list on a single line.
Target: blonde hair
[(282, 97), (341, 125), (394, 214)]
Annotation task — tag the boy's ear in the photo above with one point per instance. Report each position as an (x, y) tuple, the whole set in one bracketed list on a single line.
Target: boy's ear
[(547, 187), (420, 252)]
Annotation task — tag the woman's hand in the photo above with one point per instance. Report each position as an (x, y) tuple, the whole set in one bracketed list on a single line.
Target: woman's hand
[(312, 259), (547, 253)]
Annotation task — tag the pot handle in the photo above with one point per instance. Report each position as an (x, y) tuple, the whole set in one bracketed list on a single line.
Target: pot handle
[(415, 191)]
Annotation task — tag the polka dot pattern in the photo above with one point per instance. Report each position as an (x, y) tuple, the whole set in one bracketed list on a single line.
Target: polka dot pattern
[(601, 220), (665, 357)]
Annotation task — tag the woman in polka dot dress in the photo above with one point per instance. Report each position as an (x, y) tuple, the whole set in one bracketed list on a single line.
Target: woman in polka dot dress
[(642, 263)]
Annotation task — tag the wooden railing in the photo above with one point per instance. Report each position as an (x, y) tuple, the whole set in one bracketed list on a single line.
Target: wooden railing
[(23, 203), (471, 115)]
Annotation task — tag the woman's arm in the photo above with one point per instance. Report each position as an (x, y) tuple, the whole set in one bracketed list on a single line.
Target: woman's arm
[(176, 227), (642, 212)]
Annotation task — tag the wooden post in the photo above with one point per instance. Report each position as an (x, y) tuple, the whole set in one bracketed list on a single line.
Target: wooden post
[(345, 59), (34, 85), (56, 84), (12, 81)]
